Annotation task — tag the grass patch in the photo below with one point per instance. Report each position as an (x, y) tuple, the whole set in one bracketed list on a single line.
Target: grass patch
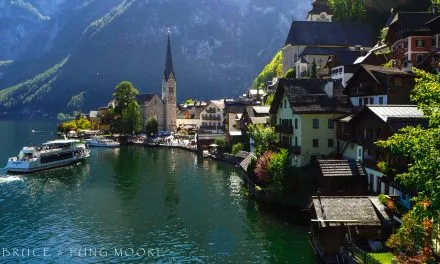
[(384, 258)]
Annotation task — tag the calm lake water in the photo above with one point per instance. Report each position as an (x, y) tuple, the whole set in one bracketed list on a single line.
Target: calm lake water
[(133, 205)]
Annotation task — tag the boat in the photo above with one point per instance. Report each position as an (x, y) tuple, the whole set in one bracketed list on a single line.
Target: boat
[(56, 153), (102, 142)]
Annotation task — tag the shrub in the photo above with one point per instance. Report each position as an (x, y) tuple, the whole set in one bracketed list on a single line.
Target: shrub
[(221, 142), (236, 148), (291, 74)]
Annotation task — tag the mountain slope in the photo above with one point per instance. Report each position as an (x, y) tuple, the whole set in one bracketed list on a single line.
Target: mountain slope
[(218, 47)]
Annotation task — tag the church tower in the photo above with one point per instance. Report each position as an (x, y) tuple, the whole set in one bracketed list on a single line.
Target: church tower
[(320, 12), (169, 90)]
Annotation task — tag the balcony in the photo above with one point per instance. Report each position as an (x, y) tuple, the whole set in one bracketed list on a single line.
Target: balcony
[(211, 117), (211, 110), (284, 129)]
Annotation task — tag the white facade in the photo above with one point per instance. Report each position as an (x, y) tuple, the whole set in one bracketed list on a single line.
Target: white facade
[(338, 73)]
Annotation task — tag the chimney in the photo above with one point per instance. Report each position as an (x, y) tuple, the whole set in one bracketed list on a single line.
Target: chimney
[(329, 89)]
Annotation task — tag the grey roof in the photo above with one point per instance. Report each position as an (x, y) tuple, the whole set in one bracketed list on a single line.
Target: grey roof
[(259, 120), (330, 34), (169, 61), (396, 111), (261, 109), (349, 210), (340, 168), (322, 50), (307, 96), (141, 98)]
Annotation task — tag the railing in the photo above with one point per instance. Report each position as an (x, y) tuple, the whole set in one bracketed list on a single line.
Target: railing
[(359, 255), (285, 129), (207, 117)]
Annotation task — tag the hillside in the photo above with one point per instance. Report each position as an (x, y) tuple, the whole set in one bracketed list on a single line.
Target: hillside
[(218, 46)]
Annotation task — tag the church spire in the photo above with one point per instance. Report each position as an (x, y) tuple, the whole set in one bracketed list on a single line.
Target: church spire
[(169, 60)]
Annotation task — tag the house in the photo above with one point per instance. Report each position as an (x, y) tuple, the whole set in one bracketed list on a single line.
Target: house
[(164, 108), (357, 136), (305, 110), (409, 36), (233, 112), (340, 65), (373, 84), (312, 41), (188, 116), (340, 220), (432, 60), (212, 117), (341, 177), (252, 115)]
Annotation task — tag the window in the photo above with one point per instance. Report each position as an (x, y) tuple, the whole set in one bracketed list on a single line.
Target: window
[(316, 143), (285, 103), (398, 81), (280, 121), (365, 101), (381, 100), (372, 100), (171, 90), (296, 141), (419, 57), (420, 43), (360, 101), (296, 123), (378, 132), (434, 41), (315, 123), (330, 142), (331, 124)]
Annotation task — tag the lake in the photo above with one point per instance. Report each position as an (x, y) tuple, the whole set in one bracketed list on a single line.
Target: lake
[(134, 205)]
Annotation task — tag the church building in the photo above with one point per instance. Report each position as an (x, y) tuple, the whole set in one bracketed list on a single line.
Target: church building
[(164, 108)]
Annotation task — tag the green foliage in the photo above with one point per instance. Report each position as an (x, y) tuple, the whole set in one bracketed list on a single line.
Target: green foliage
[(125, 94), (221, 142), (291, 74), (152, 126), (382, 166), (389, 64), (277, 168), (421, 146), (31, 90), (80, 123), (76, 102), (347, 10), (271, 70), (108, 116), (264, 137), (98, 25), (313, 72), (189, 101), (131, 119), (269, 99), (237, 148)]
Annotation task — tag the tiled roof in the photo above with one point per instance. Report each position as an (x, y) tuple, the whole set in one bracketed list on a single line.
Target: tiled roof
[(141, 98), (340, 168), (349, 210), (396, 111), (308, 96), (259, 120), (330, 34)]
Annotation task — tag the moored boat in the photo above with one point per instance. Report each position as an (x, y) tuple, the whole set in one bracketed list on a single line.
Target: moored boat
[(51, 154), (102, 142)]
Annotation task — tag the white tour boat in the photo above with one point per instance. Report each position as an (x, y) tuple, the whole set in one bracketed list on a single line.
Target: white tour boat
[(102, 142), (51, 154)]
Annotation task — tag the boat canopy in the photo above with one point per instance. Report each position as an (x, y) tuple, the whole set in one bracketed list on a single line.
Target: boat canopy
[(61, 141)]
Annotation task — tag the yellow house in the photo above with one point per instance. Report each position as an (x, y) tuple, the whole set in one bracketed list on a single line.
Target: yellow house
[(305, 111)]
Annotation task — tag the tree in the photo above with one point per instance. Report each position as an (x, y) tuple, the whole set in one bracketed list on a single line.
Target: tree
[(277, 168), (291, 74), (125, 93), (313, 73), (237, 148), (269, 99), (152, 126), (221, 142), (422, 147), (264, 138), (189, 101), (271, 70), (347, 10), (131, 120)]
